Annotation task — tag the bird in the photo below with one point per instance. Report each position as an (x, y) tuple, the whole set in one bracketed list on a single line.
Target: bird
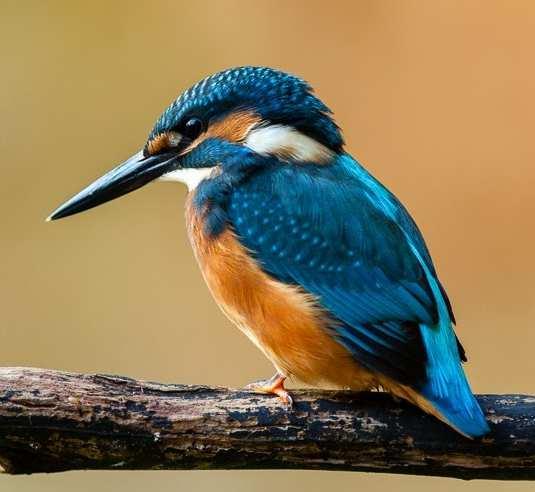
[(307, 253)]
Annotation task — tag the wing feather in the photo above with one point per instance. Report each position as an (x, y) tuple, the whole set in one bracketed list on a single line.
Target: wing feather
[(338, 233)]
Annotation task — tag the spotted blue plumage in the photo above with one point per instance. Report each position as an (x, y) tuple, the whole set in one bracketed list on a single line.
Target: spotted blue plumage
[(339, 234)]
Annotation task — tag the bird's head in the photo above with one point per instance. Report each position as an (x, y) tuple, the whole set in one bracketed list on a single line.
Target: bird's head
[(249, 115)]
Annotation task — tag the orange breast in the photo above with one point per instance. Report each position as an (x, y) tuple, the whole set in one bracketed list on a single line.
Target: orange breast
[(282, 320)]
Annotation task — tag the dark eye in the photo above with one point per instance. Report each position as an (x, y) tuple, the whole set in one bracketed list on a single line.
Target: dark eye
[(193, 128)]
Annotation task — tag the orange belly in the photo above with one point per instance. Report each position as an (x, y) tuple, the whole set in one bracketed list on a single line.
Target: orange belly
[(282, 320)]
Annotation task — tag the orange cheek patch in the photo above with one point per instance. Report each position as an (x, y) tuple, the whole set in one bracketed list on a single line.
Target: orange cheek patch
[(158, 143), (234, 128)]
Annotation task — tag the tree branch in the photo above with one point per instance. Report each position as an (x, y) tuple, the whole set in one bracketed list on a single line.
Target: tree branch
[(53, 421)]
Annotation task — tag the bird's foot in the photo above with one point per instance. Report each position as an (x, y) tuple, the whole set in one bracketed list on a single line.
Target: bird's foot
[(272, 386)]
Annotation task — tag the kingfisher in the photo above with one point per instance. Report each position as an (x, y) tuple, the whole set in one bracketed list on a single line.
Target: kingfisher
[(315, 260)]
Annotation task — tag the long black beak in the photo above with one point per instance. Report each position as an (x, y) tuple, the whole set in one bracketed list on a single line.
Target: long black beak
[(128, 176)]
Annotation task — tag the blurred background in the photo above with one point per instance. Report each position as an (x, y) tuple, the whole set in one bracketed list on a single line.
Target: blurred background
[(436, 98)]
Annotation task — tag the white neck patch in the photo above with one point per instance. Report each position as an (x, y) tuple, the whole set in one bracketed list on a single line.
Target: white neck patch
[(190, 176), (287, 143)]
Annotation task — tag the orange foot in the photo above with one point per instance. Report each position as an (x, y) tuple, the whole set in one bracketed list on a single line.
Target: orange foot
[(272, 386)]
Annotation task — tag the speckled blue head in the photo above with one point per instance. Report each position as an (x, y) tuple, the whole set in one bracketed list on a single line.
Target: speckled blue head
[(237, 120), (277, 97)]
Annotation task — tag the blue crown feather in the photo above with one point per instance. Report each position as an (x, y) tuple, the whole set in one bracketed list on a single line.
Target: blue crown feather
[(276, 96)]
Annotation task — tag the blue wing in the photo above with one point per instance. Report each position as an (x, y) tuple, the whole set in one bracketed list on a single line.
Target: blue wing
[(340, 235)]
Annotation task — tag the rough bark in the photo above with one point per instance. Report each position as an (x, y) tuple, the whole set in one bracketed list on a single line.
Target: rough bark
[(53, 421)]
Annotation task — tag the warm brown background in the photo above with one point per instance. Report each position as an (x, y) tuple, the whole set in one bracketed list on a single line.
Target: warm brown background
[(436, 98)]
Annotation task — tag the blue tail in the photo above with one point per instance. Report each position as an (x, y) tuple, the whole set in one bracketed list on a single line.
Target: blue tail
[(447, 388)]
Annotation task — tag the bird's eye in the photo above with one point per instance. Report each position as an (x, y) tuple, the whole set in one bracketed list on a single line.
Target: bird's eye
[(193, 128)]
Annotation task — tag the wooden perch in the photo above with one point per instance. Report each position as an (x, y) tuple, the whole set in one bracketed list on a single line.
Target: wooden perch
[(53, 421)]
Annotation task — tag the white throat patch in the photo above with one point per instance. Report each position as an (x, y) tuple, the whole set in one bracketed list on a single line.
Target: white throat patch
[(191, 177), (287, 143)]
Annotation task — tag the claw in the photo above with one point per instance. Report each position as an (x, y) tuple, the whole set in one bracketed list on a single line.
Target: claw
[(273, 386)]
